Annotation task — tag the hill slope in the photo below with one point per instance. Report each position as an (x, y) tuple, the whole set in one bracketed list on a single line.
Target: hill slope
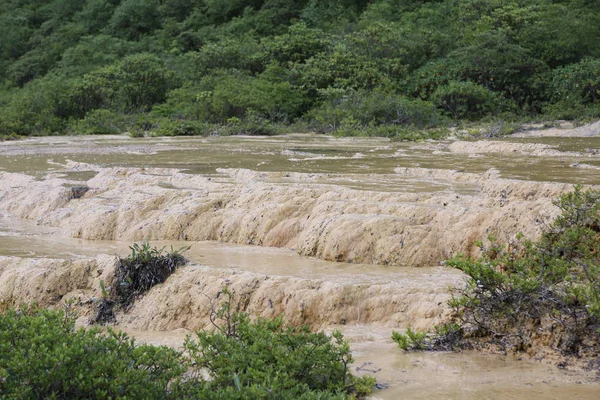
[(231, 66)]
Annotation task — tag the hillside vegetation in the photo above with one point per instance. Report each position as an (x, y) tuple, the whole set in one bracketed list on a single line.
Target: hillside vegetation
[(380, 67)]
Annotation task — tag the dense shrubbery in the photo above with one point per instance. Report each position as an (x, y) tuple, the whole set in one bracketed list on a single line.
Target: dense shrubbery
[(43, 356), (317, 64), (542, 295), (266, 359)]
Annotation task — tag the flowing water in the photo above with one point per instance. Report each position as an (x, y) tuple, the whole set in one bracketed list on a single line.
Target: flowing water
[(368, 165), (300, 153), (440, 376)]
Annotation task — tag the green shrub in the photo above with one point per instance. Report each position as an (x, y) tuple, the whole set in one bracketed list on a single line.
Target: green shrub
[(132, 85), (575, 85), (145, 267), (267, 359), (234, 94), (466, 100), (38, 108), (364, 111), (43, 357), (299, 44), (135, 18), (100, 122), (242, 54), (515, 294), (492, 61), (10, 136), (174, 127), (339, 68), (412, 340), (252, 124)]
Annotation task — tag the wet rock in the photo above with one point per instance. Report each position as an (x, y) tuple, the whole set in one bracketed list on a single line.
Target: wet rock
[(184, 300), (327, 222), (77, 192)]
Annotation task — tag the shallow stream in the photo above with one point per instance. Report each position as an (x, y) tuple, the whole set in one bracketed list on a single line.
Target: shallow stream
[(363, 164)]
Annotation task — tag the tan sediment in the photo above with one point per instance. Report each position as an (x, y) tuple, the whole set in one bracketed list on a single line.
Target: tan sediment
[(564, 130), (289, 210), (186, 299), (305, 211), (504, 147)]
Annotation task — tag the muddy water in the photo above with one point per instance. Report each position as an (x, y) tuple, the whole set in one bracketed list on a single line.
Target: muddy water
[(20, 238), (300, 153), (363, 164), (440, 376)]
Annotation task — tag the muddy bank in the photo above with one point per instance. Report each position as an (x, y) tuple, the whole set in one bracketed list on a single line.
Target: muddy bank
[(292, 210), (564, 129), (504, 147), (187, 297), (466, 375)]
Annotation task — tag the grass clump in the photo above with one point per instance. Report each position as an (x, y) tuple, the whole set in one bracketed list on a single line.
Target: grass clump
[(145, 267)]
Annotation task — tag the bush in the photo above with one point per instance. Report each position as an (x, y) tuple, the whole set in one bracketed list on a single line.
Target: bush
[(135, 18), (492, 61), (100, 122), (364, 111), (37, 109), (575, 85), (466, 100), (132, 85), (145, 267), (253, 124), (531, 291), (175, 127), (412, 340), (266, 359), (234, 94), (445, 337), (43, 357)]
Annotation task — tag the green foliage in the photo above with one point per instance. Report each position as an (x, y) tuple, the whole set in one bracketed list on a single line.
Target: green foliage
[(363, 111), (99, 122), (133, 85), (135, 18), (145, 267), (465, 100), (93, 52), (218, 98), (575, 87), (37, 109), (512, 291), (267, 359), (42, 356), (205, 62), (412, 340)]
